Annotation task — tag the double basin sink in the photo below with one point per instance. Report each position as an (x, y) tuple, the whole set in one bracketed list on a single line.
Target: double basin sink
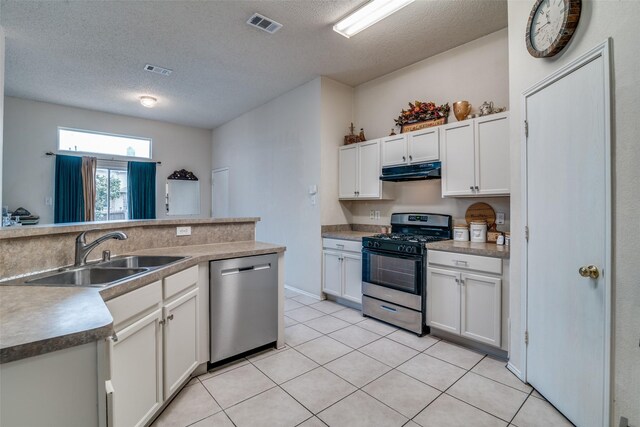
[(107, 272)]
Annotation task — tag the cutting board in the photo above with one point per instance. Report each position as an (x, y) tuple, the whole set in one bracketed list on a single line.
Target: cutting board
[(481, 212)]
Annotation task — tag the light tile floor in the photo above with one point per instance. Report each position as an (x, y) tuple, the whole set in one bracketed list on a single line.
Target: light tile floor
[(341, 369)]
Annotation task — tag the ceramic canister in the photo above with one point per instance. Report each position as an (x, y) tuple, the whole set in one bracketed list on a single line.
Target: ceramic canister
[(461, 233), (478, 231)]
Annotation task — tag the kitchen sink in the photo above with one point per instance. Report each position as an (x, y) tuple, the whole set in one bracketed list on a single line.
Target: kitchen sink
[(141, 261), (96, 275)]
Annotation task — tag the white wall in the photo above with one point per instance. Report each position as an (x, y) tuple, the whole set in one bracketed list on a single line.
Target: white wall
[(273, 155), (31, 130), (599, 20), (337, 115), (476, 72)]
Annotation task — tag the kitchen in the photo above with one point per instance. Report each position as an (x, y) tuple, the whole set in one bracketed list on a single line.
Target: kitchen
[(302, 151)]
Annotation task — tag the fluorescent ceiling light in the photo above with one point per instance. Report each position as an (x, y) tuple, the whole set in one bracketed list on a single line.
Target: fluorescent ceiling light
[(367, 15), (148, 101)]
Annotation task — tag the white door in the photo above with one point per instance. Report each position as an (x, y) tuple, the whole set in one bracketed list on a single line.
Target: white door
[(136, 371), (220, 193), (492, 154), (458, 165), (332, 273), (480, 308), (443, 299), (348, 172), (394, 150), (180, 340), (352, 279), (568, 215), (369, 170), (424, 145)]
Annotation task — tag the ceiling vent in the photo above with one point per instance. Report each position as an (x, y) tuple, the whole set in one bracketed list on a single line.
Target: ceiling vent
[(157, 70), (264, 23)]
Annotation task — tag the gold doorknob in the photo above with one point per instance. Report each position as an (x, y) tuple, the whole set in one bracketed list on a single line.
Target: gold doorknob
[(589, 271)]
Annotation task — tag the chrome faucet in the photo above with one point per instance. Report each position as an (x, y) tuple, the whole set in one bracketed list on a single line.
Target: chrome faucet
[(83, 248)]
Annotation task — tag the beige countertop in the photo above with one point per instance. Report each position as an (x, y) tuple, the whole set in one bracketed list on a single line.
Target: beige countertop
[(481, 249), (40, 319), (347, 235)]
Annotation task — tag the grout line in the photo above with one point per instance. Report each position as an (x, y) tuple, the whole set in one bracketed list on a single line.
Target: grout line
[(520, 408)]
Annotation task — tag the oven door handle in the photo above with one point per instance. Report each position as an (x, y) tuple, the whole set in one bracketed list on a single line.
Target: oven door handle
[(391, 254)]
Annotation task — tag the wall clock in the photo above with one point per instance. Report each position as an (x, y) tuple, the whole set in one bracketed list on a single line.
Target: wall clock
[(551, 25)]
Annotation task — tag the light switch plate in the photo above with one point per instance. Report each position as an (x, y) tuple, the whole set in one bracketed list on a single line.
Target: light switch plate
[(183, 231), (377, 215), (372, 214), (500, 218)]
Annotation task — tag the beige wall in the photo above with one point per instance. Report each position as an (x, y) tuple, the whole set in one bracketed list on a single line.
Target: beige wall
[(600, 19), (1, 107), (273, 156), (337, 114), (30, 130), (476, 71)]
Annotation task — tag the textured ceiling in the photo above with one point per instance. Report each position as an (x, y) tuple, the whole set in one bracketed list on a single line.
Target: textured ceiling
[(91, 54)]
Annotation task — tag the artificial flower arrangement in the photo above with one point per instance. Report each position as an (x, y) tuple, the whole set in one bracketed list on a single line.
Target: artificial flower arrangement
[(422, 111)]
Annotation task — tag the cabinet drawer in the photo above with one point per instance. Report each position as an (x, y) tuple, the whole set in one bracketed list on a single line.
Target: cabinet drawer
[(342, 245), (465, 262), (129, 306), (180, 281), (401, 316)]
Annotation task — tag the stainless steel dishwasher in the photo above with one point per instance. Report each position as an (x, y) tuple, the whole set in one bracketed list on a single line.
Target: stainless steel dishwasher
[(243, 310)]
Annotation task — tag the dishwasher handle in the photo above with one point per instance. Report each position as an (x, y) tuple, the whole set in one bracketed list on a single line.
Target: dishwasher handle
[(232, 271)]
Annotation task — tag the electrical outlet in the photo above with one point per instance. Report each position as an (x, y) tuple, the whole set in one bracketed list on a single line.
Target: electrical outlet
[(372, 214), (377, 214), (48, 201), (183, 231), (500, 218)]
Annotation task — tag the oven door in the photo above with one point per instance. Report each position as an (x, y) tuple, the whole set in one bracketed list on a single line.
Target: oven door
[(392, 270)]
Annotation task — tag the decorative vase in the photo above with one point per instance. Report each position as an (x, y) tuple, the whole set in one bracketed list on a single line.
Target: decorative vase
[(461, 110)]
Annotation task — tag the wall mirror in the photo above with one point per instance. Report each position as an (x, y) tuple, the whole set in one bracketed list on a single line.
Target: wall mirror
[(182, 194)]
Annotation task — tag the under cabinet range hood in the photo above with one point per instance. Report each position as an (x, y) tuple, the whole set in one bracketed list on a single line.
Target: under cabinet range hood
[(417, 172)]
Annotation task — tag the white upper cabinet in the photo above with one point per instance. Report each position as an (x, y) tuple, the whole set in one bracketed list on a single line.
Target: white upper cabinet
[(424, 145), (492, 154), (458, 165), (394, 150), (359, 172), (414, 147), (475, 157), (348, 172)]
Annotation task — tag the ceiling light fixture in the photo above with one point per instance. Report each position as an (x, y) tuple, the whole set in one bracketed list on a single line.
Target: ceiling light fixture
[(148, 101), (367, 15)]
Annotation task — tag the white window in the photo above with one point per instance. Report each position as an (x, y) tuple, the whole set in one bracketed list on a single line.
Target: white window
[(111, 191), (85, 141)]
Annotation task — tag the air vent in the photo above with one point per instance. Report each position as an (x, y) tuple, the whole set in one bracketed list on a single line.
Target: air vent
[(264, 23), (157, 70)]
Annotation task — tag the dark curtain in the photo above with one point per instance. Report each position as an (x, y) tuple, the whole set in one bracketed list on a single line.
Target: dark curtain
[(69, 198), (141, 190)]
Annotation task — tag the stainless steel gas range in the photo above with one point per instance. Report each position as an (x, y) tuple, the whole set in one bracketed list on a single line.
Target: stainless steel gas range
[(394, 269)]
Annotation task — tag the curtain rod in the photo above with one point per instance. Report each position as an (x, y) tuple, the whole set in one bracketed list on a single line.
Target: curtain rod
[(51, 153)]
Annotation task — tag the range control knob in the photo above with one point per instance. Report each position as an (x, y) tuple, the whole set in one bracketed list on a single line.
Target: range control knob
[(400, 248), (376, 244), (411, 249)]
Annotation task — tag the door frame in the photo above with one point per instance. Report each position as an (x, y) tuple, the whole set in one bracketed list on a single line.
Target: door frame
[(212, 173), (601, 50)]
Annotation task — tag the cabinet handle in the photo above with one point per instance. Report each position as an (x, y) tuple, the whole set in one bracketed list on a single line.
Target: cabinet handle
[(477, 188), (471, 187), (404, 159), (410, 158), (458, 262), (170, 317), (162, 322), (114, 337)]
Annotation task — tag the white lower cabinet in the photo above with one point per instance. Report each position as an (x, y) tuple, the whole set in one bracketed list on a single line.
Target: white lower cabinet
[(342, 269), (465, 303), (155, 348)]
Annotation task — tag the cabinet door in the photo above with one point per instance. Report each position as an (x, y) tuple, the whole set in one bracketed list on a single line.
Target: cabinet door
[(481, 308), (332, 273), (394, 150), (352, 277), (443, 299), (136, 371), (369, 170), (180, 340), (458, 174), (492, 154), (348, 172), (424, 145)]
